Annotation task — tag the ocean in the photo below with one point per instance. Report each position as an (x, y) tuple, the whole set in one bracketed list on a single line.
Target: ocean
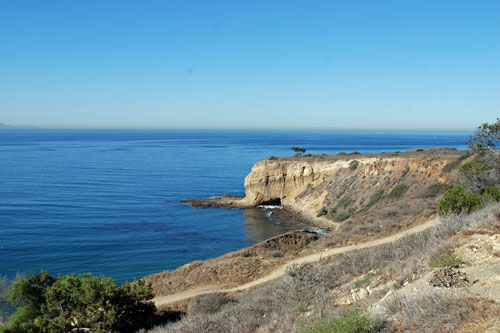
[(108, 201)]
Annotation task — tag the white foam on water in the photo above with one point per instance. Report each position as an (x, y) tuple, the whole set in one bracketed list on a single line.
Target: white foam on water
[(270, 206)]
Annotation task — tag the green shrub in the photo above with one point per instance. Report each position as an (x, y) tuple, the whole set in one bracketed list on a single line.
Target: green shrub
[(353, 165), (273, 158), (376, 197), (47, 304), (300, 307), (344, 202), (434, 190), (344, 216), (447, 260), (398, 191), (420, 150), (474, 167), (361, 282), (351, 320), (5, 308), (457, 200), (490, 193)]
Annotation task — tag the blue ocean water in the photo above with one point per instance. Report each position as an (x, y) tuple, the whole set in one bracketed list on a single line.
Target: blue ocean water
[(108, 201)]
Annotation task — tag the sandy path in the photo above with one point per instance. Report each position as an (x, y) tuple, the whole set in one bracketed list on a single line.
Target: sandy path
[(315, 257)]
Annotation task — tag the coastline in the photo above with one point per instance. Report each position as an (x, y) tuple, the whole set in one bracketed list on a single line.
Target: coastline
[(238, 202), (341, 194)]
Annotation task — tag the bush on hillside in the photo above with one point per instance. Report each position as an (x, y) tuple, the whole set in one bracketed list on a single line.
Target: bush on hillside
[(448, 259), (210, 303), (491, 193), (376, 197), (457, 200), (351, 320), (435, 189), (398, 191), (64, 303), (5, 284), (353, 165), (474, 167)]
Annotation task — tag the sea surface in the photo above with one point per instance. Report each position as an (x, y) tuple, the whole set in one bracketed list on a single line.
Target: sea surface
[(108, 201)]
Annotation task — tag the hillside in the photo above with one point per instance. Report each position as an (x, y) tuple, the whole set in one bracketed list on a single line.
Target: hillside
[(384, 239)]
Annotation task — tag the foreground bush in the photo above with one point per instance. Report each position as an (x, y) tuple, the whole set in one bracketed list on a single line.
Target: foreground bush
[(48, 304), (350, 320), (458, 200), (4, 306)]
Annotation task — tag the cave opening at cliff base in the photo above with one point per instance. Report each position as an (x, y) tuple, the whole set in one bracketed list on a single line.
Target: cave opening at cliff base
[(272, 202)]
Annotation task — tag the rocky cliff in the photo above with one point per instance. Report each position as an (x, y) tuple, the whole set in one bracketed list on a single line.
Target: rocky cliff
[(387, 190), (329, 189)]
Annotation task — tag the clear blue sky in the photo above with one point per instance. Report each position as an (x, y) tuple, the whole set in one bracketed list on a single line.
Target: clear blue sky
[(250, 64)]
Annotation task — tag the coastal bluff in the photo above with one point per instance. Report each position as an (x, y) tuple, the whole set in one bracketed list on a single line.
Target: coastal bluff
[(326, 190)]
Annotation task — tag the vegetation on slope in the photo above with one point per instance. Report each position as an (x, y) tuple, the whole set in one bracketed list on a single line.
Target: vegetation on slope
[(310, 293)]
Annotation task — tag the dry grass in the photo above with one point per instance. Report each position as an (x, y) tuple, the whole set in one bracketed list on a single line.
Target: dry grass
[(382, 222), (271, 308), (210, 303), (431, 311)]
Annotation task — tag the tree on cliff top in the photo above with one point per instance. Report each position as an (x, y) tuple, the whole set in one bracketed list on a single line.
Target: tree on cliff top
[(298, 150)]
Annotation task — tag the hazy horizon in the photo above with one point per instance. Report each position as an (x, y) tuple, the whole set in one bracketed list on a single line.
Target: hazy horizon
[(24, 126)]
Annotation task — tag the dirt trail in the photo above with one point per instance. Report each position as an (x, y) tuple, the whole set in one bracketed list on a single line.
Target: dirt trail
[(315, 257)]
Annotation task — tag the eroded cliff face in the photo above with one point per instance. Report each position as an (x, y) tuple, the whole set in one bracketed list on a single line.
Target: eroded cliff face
[(327, 189)]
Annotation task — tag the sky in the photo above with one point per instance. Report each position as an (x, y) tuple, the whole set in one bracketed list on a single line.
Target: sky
[(250, 64)]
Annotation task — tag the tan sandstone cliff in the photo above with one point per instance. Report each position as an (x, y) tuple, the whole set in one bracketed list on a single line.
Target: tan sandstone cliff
[(323, 188)]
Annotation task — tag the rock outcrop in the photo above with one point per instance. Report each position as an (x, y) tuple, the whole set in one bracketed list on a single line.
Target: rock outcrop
[(327, 190)]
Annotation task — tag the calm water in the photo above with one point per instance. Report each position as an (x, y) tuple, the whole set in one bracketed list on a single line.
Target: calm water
[(107, 202)]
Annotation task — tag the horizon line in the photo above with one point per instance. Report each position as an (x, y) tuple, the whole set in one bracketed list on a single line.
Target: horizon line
[(30, 127)]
